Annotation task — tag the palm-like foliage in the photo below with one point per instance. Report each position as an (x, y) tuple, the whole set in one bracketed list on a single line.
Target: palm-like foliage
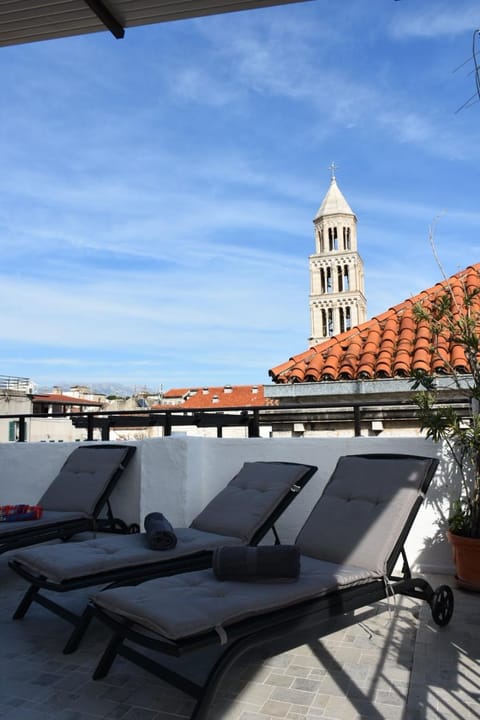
[(453, 318)]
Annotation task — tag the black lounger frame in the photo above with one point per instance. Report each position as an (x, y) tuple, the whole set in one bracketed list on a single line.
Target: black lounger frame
[(133, 575), (281, 629)]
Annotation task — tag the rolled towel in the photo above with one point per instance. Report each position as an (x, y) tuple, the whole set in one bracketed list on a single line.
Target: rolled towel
[(264, 563), (160, 534)]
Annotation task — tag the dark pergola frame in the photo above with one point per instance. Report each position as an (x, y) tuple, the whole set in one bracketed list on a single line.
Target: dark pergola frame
[(32, 21), (109, 20)]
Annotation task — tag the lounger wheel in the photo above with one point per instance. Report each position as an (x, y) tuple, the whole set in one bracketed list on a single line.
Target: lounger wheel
[(133, 529), (442, 605)]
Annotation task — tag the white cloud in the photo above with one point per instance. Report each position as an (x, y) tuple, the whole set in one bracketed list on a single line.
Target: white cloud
[(440, 19)]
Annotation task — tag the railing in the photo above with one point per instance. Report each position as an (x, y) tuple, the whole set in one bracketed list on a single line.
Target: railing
[(18, 384), (347, 413)]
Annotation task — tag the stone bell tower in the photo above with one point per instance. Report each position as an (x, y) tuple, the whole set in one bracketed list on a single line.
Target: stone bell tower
[(337, 299)]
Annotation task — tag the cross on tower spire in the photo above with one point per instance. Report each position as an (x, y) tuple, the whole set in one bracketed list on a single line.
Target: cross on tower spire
[(332, 167)]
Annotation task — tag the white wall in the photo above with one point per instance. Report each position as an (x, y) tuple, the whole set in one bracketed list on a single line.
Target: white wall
[(53, 428), (27, 469), (179, 475)]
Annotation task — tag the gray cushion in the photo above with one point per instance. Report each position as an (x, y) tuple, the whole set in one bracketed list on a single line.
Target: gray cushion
[(182, 605), (248, 500), (70, 561), (83, 479), (363, 510)]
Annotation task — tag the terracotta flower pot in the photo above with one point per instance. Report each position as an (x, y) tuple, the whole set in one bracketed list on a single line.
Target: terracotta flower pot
[(466, 555)]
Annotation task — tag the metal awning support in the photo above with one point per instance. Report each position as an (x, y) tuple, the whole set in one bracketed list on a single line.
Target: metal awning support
[(106, 17)]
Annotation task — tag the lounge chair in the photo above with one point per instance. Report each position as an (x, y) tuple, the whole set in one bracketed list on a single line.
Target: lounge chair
[(349, 546), (75, 498), (241, 514)]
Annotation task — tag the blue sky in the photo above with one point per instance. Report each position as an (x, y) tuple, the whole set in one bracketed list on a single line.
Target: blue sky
[(157, 193)]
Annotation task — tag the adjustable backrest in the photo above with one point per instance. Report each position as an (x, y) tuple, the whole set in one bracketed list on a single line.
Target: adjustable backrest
[(366, 510), (249, 505), (87, 478)]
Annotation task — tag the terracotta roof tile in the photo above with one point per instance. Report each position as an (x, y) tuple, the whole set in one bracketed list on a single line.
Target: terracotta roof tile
[(392, 344), (215, 397), (177, 392)]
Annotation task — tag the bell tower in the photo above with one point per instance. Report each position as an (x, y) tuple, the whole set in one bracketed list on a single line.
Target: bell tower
[(337, 299)]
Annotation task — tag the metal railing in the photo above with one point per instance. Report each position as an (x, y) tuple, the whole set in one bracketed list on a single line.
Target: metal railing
[(352, 414), (17, 384)]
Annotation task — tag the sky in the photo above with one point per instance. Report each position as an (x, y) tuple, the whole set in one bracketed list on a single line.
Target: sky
[(157, 192)]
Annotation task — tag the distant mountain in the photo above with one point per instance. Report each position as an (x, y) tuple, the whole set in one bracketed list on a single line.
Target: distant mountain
[(104, 388)]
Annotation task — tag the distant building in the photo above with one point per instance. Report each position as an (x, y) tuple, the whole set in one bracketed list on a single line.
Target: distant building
[(56, 403), (222, 398), (17, 397), (206, 397)]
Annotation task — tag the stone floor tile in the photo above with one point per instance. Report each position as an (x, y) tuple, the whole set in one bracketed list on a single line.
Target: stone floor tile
[(363, 671), (288, 695), (257, 693), (279, 680), (276, 708), (306, 684)]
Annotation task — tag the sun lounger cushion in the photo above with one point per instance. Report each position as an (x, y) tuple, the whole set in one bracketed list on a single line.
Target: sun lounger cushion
[(252, 492), (81, 481), (363, 510), (183, 605), (70, 561)]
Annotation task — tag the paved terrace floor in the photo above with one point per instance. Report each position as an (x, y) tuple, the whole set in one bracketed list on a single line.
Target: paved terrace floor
[(395, 664)]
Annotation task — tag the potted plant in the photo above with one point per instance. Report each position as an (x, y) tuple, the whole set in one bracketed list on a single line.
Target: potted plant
[(453, 320)]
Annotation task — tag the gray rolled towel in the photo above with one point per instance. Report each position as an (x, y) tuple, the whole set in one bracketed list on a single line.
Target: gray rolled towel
[(160, 534), (264, 563)]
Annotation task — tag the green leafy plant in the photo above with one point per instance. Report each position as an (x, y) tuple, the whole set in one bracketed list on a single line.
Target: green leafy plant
[(453, 319)]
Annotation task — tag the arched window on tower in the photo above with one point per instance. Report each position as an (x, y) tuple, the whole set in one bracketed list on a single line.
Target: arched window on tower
[(330, 322), (329, 280), (324, 323), (332, 238), (346, 277), (323, 281), (341, 317), (348, 318), (320, 241), (346, 238), (340, 278)]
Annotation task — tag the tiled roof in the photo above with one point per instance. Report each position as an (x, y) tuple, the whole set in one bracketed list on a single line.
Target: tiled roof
[(55, 399), (390, 345), (210, 397), (176, 393)]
